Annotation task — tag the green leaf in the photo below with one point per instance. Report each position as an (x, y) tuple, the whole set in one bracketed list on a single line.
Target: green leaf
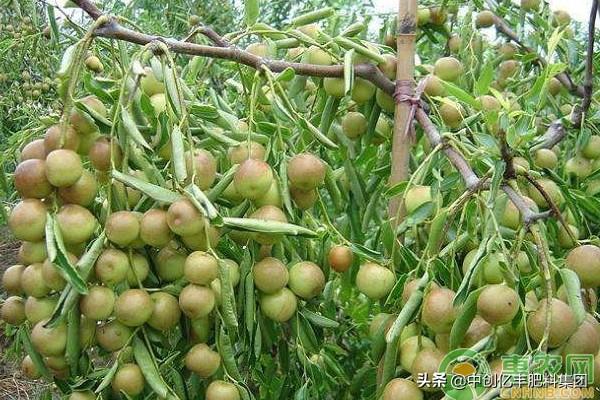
[(226, 351), (227, 296), (317, 133), (178, 156), (286, 75), (203, 204), (463, 289), (62, 261), (318, 319), (132, 130), (313, 16), (396, 190), (359, 48), (486, 77), (34, 355), (460, 94), (108, 377), (464, 319), (172, 90), (69, 297), (93, 113), (156, 192), (148, 365), (251, 9), (573, 287), (348, 71), (264, 226), (67, 60)]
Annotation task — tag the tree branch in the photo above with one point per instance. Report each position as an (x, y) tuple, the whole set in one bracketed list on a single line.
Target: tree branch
[(589, 69), (564, 78), (212, 35), (555, 133), (114, 30), (366, 71), (472, 181)]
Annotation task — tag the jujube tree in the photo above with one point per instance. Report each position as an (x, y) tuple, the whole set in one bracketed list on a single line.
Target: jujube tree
[(328, 222)]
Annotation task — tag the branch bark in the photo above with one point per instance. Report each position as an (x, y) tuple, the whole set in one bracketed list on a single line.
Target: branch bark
[(589, 69), (472, 181), (114, 30)]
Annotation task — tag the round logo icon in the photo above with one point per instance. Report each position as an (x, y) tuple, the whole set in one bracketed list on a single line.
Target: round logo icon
[(465, 371)]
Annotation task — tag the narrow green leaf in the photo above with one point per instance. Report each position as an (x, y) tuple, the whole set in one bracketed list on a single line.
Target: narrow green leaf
[(148, 365), (313, 16), (319, 320), (348, 71), (63, 262), (573, 287), (464, 319), (319, 136), (227, 296), (251, 9), (156, 192), (261, 225), (201, 201), (178, 156), (34, 355), (460, 94), (227, 355), (131, 128)]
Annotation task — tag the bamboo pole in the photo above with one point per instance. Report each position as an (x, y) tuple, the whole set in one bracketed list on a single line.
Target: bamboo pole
[(403, 134)]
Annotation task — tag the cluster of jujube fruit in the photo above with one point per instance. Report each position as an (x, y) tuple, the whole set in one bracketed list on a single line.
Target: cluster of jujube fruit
[(66, 174), (161, 268)]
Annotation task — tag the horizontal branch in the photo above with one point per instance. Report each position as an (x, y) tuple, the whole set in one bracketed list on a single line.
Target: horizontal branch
[(114, 30)]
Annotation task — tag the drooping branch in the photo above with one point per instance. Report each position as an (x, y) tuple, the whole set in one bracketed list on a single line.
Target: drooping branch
[(528, 215), (114, 30)]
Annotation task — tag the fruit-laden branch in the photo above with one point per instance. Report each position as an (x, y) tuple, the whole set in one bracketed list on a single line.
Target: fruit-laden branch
[(563, 77), (472, 181), (370, 72), (114, 30)]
